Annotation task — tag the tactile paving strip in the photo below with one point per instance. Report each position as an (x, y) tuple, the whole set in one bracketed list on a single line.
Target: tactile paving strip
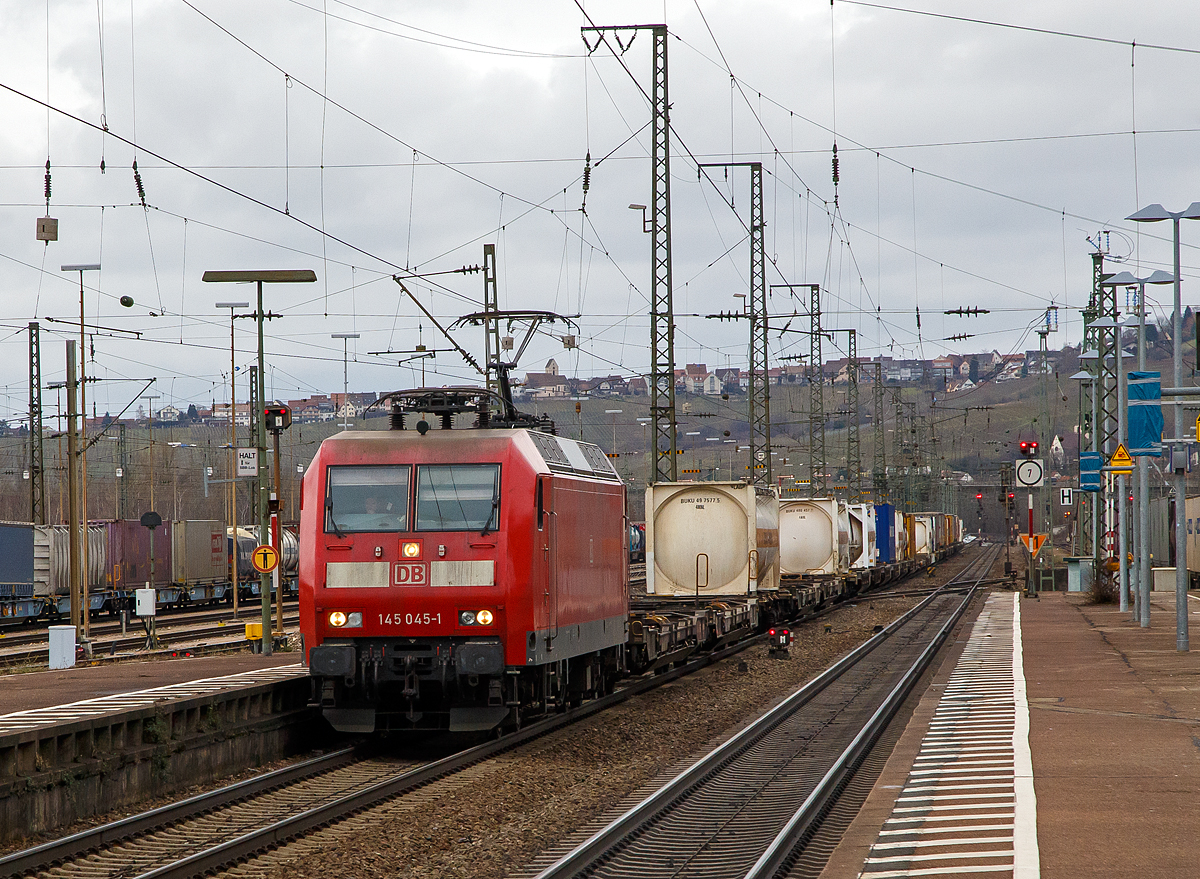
[(968, 805)]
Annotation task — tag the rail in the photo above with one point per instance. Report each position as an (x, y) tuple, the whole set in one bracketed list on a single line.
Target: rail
[(275, 832), (798, 828), (710, 770)]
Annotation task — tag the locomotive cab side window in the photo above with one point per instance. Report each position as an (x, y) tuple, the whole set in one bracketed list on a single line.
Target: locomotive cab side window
[(366, 499), (458, 497)]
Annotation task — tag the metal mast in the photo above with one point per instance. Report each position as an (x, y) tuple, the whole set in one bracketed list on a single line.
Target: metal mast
[(879, 478), (123, 463), (37, 473), (491, 330), (759, 390), (854, 488), (662, 315), (816, 402)]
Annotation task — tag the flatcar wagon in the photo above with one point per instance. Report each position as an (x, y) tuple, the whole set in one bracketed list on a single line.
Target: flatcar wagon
[(459, 578)]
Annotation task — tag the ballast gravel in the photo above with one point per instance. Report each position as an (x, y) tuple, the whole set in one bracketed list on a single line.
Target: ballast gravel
[(507, 812)]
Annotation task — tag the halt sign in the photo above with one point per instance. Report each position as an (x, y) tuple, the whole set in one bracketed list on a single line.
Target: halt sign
[(264, 558), (247, 462)]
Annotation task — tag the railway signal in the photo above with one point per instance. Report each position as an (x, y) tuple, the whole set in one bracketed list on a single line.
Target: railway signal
[(780, 641), (1029, 448)]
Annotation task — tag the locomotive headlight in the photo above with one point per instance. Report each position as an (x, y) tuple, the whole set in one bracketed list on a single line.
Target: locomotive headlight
[(342, 620), (337, 619), (411, 549), (467, 617), (484, 618)]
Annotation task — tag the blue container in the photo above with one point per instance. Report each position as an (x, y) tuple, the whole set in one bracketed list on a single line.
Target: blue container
[(16, 558), (885, 536)]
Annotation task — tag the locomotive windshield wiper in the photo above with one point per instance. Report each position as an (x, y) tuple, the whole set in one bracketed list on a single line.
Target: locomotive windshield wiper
[(487, 526), (333, 521)]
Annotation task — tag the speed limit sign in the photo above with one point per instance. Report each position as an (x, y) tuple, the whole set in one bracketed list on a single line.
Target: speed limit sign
[(1030, 473)]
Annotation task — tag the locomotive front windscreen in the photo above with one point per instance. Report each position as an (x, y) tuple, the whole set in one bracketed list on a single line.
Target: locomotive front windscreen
[(367, 499), (458, 497)]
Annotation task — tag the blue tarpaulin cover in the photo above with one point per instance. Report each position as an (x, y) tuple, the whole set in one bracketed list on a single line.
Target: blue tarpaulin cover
[(1089, 470), (1145, 414)]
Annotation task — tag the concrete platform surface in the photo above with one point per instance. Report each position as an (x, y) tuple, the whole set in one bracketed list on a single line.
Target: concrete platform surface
[(44, 689), (1114, 736)]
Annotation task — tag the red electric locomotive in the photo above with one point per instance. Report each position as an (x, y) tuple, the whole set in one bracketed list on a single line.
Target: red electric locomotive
[(459, 578)]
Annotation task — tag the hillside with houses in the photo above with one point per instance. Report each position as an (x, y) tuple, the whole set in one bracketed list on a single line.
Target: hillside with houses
[(950, 373)]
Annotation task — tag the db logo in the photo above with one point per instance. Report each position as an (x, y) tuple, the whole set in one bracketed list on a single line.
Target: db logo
[(407, 574)]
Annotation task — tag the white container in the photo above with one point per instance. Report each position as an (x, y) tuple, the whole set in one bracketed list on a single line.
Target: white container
[(711, 538), (923, 537), (62, 647), (814, 537), (52, 558), (862, 523)]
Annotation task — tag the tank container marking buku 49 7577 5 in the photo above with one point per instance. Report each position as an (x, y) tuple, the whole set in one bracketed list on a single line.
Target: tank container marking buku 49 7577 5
[(711, 538)]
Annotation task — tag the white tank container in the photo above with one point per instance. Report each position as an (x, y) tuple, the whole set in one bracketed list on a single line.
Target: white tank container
[(923, 537), (711, 538), (814, 537), (862, 519)]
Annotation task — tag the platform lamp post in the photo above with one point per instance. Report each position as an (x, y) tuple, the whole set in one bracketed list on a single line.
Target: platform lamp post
[(645, 422), (284, 276), (345, 337), (716, 468), (231, 494), (1153, 214), (614, 413), (695, 460)]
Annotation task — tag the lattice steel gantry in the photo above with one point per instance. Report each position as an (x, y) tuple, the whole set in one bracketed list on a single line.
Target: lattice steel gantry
[(759, 390), (37, 472), (662, 315), (816, 400)]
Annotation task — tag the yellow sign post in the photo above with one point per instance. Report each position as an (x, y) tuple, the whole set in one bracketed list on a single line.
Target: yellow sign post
[(1121, 458)]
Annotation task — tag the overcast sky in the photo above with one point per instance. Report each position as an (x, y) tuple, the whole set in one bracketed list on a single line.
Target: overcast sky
[(367, 139)]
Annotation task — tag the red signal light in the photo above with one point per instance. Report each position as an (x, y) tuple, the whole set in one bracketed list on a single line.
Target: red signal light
[(979, 496), (772, 633)]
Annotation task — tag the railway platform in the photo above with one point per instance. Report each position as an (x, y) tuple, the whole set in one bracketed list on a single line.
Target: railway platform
[(80, 741), (1102, 716)]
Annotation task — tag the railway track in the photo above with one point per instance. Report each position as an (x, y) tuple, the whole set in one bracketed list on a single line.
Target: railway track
[(747, 808), (32, 647), (213, 830)]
